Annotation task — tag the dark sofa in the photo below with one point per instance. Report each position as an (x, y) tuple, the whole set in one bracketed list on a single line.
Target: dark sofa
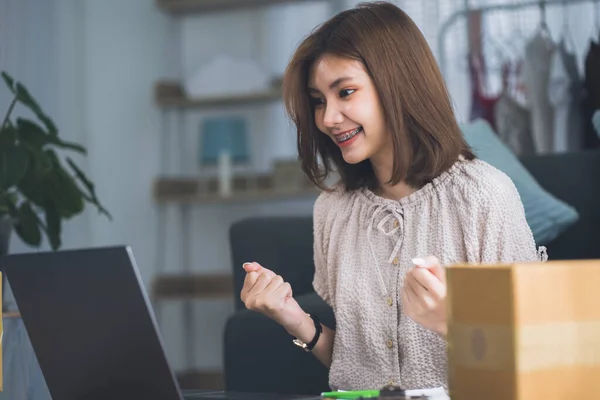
[(259, 355)]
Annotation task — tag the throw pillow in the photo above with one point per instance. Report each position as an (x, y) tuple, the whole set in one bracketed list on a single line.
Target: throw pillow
[(546, 215)]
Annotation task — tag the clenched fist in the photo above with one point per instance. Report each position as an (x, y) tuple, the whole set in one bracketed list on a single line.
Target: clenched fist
[(269, 294), (424, 294)]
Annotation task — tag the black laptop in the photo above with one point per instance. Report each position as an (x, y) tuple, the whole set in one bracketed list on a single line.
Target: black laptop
[(92, 327)]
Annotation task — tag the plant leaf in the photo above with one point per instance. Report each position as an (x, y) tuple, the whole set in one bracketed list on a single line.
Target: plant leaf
[(27, 225), (33, 186), (14, 162), (10, 82), (33, 134), (63, 191), (26, 98), (40, 162), (52, 185), (53, 226), (68, 145), (8, 135), (92, 198), (8, 201)]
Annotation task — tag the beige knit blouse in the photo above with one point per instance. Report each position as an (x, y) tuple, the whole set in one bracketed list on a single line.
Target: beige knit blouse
[(363, 248)]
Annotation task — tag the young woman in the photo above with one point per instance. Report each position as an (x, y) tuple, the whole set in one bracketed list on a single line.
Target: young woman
[(369, 103)]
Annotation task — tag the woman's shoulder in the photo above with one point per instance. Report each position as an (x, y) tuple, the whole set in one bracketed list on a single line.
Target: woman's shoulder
[(335, 202), (479, 183)]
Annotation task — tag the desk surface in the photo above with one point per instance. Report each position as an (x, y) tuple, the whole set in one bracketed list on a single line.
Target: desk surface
[(220, 395)]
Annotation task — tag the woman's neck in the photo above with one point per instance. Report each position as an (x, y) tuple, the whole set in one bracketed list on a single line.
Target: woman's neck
[(383, 172), (394, 192)]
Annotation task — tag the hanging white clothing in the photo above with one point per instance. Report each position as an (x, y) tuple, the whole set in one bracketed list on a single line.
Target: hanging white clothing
[(564, 92), (538, 55)]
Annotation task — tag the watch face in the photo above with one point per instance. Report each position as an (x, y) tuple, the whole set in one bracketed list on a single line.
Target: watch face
[(299, 343)]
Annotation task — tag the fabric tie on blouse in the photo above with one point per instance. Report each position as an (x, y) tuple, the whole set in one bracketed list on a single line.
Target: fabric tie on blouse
[(394, 213)]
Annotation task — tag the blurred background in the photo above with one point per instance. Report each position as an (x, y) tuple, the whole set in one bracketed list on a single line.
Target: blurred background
[(178, 104)]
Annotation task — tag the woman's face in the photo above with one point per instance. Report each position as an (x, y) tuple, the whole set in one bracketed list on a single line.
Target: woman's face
[(348, 109)]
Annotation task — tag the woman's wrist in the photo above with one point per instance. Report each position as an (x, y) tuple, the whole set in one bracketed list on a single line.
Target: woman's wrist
[(304, 330)]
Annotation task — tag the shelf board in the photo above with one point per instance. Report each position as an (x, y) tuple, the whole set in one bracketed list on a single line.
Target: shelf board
[(168, 94), (245, 197), (185, 191), (199, 6), (192, 286)]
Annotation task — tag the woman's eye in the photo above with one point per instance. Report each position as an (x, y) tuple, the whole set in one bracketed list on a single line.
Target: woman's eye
[(346, 92), (315, 101)]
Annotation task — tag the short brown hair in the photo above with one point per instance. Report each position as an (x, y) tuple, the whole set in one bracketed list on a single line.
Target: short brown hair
[(411, 89)]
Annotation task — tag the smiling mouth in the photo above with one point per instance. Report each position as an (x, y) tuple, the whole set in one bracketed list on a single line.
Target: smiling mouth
[(344, 137)]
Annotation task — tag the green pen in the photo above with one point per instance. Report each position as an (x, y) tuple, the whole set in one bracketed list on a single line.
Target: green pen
[(351, 394)]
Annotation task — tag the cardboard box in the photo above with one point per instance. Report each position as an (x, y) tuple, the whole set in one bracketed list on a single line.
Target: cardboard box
[(524, 331)]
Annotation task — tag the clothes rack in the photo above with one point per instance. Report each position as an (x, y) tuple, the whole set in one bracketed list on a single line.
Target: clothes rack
[(462, 14)]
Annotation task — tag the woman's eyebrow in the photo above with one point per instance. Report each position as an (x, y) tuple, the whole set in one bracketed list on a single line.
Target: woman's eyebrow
[(333, 84)]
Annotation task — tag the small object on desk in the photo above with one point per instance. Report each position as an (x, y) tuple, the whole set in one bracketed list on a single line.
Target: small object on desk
[(352, 394), (390, 393)]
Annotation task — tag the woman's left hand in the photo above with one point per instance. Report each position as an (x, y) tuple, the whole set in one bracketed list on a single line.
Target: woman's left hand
[(424, 294)]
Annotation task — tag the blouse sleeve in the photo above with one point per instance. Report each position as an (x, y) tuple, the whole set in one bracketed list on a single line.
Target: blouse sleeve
[(505, 235), (321, 278)]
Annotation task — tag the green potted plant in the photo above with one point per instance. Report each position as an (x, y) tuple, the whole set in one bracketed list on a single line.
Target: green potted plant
[(37, 191)]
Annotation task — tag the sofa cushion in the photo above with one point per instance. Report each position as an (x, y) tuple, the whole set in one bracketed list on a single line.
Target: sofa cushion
[(547, 215)]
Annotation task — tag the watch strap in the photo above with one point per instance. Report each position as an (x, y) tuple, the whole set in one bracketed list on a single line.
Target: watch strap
[(318, 330)]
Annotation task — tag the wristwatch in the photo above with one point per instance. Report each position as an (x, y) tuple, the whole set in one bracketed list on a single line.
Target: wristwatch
[(309, 346)]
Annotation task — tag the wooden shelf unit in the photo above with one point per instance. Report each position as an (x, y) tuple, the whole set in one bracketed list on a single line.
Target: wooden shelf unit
[(237, 197), (262, 188), (169, 94)]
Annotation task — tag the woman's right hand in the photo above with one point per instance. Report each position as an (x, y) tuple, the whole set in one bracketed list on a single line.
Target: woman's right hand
[(266, 292)]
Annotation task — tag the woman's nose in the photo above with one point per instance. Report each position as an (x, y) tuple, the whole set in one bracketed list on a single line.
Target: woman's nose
[(332, 116)]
